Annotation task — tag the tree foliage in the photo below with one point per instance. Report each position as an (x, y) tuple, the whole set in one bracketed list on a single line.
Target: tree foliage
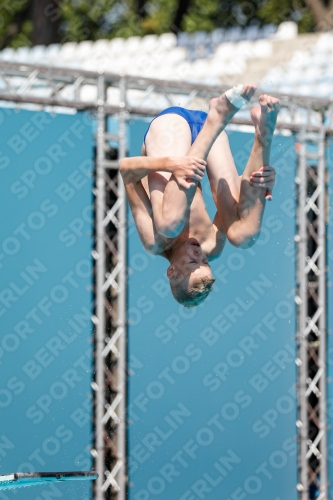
[(210, 14), (15, 23), (29, 22), (278, 11)]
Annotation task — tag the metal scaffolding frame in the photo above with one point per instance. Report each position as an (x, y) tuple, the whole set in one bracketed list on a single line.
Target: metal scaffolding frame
[(311, 300), (64, 90)]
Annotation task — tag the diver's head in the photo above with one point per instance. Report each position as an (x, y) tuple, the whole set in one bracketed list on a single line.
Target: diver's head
[(190, 275)]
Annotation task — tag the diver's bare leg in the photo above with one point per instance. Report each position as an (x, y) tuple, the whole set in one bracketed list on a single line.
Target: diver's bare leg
[(220, 113), (239, 203)]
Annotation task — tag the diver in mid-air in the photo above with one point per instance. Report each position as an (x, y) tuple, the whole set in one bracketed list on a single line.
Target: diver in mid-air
[(165, 194)]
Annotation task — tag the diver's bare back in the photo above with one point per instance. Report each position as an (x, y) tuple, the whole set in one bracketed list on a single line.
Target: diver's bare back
[(198, 225)]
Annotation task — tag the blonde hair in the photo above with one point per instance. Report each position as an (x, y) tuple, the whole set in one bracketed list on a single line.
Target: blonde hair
[(194, 296)]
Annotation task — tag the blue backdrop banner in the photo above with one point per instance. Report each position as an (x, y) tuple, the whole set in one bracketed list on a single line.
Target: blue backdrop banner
[(46, 297), (211, 398)]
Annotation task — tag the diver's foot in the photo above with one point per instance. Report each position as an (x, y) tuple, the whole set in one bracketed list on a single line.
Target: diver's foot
[(221, 110), (264, 118)]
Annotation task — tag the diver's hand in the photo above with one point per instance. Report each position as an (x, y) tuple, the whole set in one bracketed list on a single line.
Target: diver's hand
[(264, 178), (187, 170)]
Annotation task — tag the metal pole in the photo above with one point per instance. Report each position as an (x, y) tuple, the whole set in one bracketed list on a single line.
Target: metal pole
[(302, 315), (122, 477), (100, 278), (322, 318)]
